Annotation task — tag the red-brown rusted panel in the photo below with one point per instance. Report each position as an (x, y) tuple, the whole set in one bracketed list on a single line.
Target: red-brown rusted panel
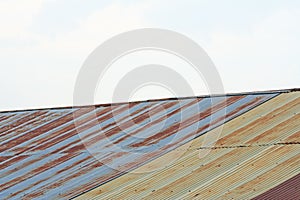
[(288, 190)]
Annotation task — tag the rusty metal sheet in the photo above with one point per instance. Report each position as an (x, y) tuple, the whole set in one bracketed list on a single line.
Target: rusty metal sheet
[(42, 154), (288, 190), (255, 152)]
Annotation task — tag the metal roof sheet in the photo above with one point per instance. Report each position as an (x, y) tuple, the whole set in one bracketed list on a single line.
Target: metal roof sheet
[(42, 155), (255, 152), (288, 190)]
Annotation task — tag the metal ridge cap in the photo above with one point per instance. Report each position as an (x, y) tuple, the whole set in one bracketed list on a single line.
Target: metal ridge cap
[(156, 100)]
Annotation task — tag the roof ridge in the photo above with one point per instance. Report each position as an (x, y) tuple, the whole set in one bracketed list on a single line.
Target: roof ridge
[(162, 99)]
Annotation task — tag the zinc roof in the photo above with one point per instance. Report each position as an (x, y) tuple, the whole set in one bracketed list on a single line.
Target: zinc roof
[(100, 151), (255, 152)]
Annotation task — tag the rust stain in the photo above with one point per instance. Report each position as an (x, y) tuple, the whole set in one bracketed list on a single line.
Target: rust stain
[(7, 117), (12, 161), (4, 158), (59, 135), (31, 135), (35, 171), (98, 137), (45, 179), (85, 170), (260, 121), (26, 127), (204, 127), (281, 126), (92, 122), (174, 128), (20, 121), (156, 121), (129, 116), (4, 117)]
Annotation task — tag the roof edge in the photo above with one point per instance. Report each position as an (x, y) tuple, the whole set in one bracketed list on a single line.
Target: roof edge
[(162, 99)]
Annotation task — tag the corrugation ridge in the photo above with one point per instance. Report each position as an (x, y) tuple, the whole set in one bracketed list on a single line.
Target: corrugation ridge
[(13, 119), (217, 187), (34, 129), (286, 190), (27, 125), (247, 190), (20, 121)]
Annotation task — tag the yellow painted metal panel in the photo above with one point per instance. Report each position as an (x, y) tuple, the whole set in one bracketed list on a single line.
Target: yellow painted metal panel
[(249, 169), (267, 180)]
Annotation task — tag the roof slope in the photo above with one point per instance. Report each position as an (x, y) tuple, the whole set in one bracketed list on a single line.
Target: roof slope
[(42, 154), (255, 152)]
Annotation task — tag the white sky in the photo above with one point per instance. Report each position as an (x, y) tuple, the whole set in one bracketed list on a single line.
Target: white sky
[(255, 44)]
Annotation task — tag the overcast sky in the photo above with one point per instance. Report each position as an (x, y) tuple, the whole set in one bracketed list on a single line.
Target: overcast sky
[(255, 44)]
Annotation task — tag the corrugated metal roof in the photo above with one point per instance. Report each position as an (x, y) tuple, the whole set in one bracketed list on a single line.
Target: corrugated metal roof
[(289, 190), (43, 156), (255, 152)]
